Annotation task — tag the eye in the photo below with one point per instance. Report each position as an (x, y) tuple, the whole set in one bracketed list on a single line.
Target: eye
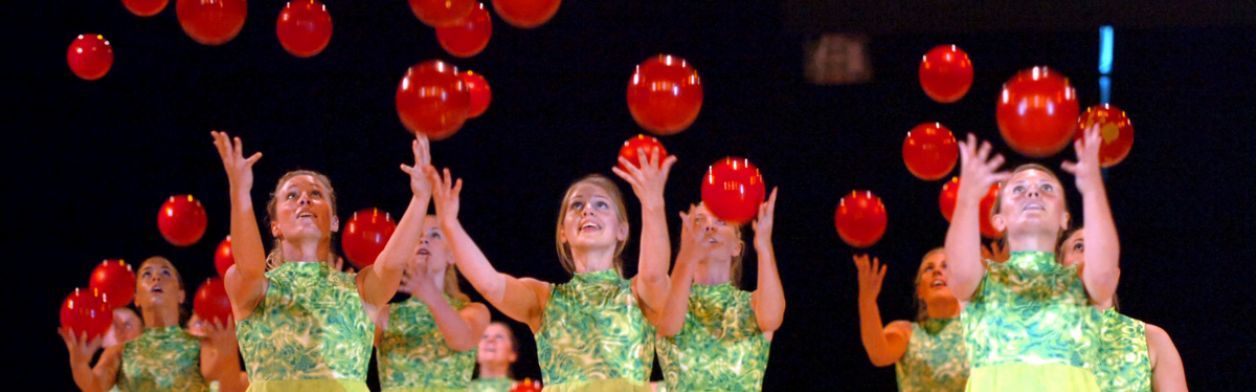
[(1079, 246), (1016, 190), (576, 205), (147, 274), (165, 272), (316, 194), (290, 196), (1048, 187), (601, 205)]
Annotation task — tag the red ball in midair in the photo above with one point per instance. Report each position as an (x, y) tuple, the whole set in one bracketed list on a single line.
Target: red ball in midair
[(223, 259), (212, 22), (365, 235), (665, 94), (1115, 129), (946, 73), (468, 38), (211, 302), (481, 94), (304, 27), (182, 220), (115, 280), (641, 142), (1037, 112), (526, 14), (90, 56), (930, 151), (85, 312), (433, 100), (733, 189), (860, 218)]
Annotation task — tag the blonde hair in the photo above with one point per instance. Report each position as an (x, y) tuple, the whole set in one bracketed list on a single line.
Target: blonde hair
[(735, 266), (617, 198), (922, 308), (452, 286), (275, 258)]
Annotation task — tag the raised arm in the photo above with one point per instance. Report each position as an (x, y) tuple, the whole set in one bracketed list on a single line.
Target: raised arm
[(378, 283), (648, 178), (963, 238), (885, 346), (769, 297), (246, 280), (691, 250), (461, 329), (91, 379), (220, 354), (1103, 248)]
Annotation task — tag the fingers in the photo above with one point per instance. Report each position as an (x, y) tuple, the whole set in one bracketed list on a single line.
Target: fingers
[(1069, 166), (237, 147), (457, 188), (409, 170), (253, 159), (667, 165), (623, 174)]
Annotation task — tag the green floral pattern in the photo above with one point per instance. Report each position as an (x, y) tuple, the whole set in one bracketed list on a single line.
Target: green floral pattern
[(413, 353), (936, 358), (162, 359), (499, 384), (1124, 364), (309, 326), (720, 346), (593, 331)]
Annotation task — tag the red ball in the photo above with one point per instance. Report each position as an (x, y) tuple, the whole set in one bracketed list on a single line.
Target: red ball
[(946, 73), (644, 142), (1037, 112), (442, 13), (223, 258), (665, 94), (930, 151), (946, 199), (468, 38), (85, 312), (987, 212), (182, 220), (527, 385), (365, 235), (115, 281), (733, 189), (1114, 127), (211, 22), (144, 7), (304, 27), (433, 100), (526, 14), (90, 56), (211, 302), (481, 94), (860, 219)]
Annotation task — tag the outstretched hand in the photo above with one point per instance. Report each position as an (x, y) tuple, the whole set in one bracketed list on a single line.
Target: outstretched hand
[(239, 169), (871, 275), (978, 170), (419, 183), (647, 176), (1086, 168)]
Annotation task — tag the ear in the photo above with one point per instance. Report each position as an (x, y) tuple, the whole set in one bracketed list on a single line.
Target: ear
[(621, 235), (741, 247), (335, 224), (999, 223), (182, 296), (274, 229), (1064, 220)]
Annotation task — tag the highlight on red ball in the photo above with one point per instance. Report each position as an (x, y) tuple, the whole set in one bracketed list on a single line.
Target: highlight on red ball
[(470, 36), (733, 189), (930, 151), (1037, 112), (433, 100), (526, 14), (145, 8), (223, 258), (182, 220), (211, 22), (90, 56), (1115, 129), (946, 198), (304, 27), (665, 94), (211, 301), (946, 73), (480, 92), (365, 235), (84, 312), (640, 142), (441, 13), (115, 281), (860, 218)]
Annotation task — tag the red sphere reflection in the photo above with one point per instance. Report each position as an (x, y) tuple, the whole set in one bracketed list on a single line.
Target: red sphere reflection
[(1115, 129), (115, 281), (526, 14), (930, 151), (732, 189), (860, 219), (1037, 112), (432, 99), (665, 94), (211, 22), (365, 235), (946, 73), (468, 38), (304, 27), (182, 220), (641, 142), (90, 56), (84, 312), (211, 302)]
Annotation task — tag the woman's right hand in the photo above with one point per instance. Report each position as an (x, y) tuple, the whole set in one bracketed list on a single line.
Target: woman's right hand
[(445, 192), (871, 274), (691, 246), (239, 169), (978, 170), (81, 350)]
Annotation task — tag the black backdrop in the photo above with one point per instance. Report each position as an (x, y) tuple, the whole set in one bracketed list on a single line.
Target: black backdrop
[(94, 160)]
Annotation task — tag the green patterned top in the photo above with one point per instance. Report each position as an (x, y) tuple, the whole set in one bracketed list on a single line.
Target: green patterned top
[(162, 359), (936, 358), (1124, 364), (720, 346), (592, 331), (309, 326), (1031, 310), (413, 354), (497, 384)]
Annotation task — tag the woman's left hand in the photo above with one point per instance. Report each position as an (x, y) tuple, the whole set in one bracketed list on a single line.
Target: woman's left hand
[(763, 224), (647, 176), (1086, 168)]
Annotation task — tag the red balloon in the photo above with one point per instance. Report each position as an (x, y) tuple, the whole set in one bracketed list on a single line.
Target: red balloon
[(1037, 112), (211, 302), (860, 219), (182, 220), (433, 100), (1114, 127), (223, 258), (526, 14), (946, 73), (946, 199), (85, 312), (643, 142), (211, 22), (442, 13), (987, 212), (144, 7), (115, 281), (665, 94), (90, 56), (468, 38), (481, 94), (304, 27), (365, 236), (930, 151), (733, 189)]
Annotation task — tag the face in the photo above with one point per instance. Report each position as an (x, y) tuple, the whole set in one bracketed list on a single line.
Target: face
[(1032, 200), (591, 219), (302, 210), (158, 284), (433, 250), (126, 324), (495, 345), (719, 237), (1074, 250), (932, 277)]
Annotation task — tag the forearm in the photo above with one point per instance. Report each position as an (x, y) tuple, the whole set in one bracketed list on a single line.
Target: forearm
[(473, 264), (399, 249), (456, 330), (84, 378), (655, 253), (769, 294), (1103, 249), (963, 247), (872, 335), (246, 239), (677, 306)]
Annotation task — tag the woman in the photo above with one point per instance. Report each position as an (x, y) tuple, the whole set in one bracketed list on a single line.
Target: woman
[(714, 335), (164, 356), (930, 353), (427, 342), (495, 354), (592, 332), (1028, 320), (302, 325)]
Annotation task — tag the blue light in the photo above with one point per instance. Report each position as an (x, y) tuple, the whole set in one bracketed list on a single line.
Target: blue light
[(1105, 49), (1105, 89)]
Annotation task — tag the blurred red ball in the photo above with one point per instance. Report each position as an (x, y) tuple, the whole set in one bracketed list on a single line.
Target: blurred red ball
[(90, 56), (85, 312), (441, 13), (433, 100), (1115, 129), (665, 94), (304, 27), (1037, 112), (481, 94), (212, 22), (987, 212), (145, 7), (641, 142), (527, 385), (526, 14), (946, 73), (182, 220), (468, 38), (365, 235), (733, 189), (930, 151), (860, 219), (211, 302), (223, 259), (115, 280), (946, 199)]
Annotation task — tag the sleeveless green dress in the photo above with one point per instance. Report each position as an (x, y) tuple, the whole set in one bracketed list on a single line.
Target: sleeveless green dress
[(1125, 363), (412, 352), (593, 337), (720, 346), (1030, 327), (936, 358), (162, 359), (498, 384), (309, 333)]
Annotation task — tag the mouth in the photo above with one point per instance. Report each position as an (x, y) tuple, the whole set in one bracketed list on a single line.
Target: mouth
[(590, 227), (937, 283), (305, 215), (424, 252), (156, 290), (1033, 206)]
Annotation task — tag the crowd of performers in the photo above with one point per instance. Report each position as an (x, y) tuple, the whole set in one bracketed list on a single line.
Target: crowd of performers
[(1034, 313)]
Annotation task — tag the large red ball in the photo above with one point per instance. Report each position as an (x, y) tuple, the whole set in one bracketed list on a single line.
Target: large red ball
[(930, 152), (481, 93), (641, 142), (860, 219), (85, 312), (365, 235), (441, 13), (182, 220), (211, 302), (468, 38), (1115, 129), (90, 56), (946, 73), (304, 27), (223, 259), (212, 22), (526, 14), (665, 94), (733, 189), (115, 280), (433, 100), (1037, 112)]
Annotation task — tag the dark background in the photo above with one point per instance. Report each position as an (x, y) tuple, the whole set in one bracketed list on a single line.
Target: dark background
[(91, 162)]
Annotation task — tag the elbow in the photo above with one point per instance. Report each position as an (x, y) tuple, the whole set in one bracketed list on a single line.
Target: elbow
[(461, 344), (881, 360), (669, 329)]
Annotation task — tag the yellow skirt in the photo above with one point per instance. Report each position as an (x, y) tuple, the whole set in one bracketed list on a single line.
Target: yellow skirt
[(308, 386), (612, 385), (1031, 378)]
